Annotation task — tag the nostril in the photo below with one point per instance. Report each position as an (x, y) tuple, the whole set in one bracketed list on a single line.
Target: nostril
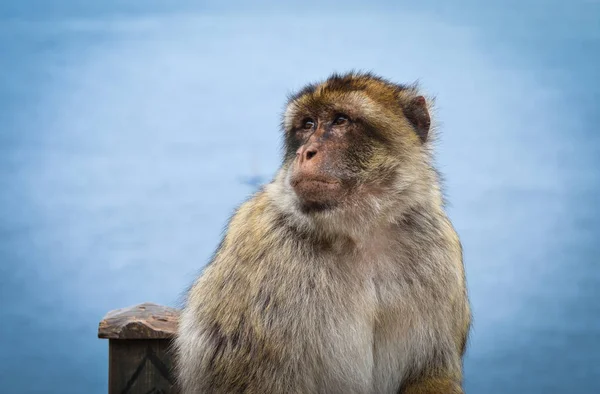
[(310, 154)]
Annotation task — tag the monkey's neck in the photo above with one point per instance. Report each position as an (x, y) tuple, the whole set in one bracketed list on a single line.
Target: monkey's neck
[(359, 221)]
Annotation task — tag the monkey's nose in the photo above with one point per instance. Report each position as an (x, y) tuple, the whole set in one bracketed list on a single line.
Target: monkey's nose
[(305, 153)]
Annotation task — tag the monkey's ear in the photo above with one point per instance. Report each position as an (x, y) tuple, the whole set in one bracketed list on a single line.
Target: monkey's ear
[(417, 114)]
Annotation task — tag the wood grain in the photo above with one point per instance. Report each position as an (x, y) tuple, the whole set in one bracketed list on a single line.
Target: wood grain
[(144, 321)]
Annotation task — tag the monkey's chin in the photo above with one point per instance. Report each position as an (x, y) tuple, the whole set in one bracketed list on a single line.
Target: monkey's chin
[(308, 207)]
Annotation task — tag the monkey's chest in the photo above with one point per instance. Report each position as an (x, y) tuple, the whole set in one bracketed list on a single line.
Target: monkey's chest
[(373, 332)]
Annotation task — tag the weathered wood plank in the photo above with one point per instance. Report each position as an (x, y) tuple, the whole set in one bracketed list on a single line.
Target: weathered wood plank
[(140, 355), (144, 321), (140, 366)]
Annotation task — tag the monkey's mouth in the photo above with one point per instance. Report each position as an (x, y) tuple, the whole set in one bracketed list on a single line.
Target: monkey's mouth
[(317, 192), (319, 181), (314, 183)]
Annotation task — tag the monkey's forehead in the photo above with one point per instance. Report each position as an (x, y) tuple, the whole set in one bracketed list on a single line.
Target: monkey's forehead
[(352, 103), (376, 102), (354, 94)]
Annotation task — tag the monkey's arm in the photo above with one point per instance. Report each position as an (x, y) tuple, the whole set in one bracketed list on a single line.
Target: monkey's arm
[(441, 383), (442, 371), (433, 385)]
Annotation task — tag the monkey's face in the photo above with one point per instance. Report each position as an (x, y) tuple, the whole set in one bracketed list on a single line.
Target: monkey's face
[(325, 164), (349, 138)]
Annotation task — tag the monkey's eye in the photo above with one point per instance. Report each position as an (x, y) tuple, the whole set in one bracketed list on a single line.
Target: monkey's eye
[(340, 120), (308, 124)]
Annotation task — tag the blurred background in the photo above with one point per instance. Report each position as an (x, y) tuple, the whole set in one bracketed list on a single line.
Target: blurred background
[(130, 131)]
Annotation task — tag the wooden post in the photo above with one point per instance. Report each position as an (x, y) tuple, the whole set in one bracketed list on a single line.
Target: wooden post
[(139, 349)]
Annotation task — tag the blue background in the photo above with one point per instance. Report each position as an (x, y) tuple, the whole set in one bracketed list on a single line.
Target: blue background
[(129, 132)]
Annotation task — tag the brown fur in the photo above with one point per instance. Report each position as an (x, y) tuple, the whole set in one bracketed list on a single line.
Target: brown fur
[(365, 294)]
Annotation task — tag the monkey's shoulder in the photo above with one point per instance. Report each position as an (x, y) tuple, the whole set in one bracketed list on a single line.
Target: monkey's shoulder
[(251, 223), (423, 259), (428, 238)]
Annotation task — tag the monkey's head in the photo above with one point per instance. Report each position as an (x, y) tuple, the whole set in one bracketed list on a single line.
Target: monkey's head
[(353, 141)]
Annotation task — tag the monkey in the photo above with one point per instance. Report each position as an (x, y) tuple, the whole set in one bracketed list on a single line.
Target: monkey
[(343, 274)]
